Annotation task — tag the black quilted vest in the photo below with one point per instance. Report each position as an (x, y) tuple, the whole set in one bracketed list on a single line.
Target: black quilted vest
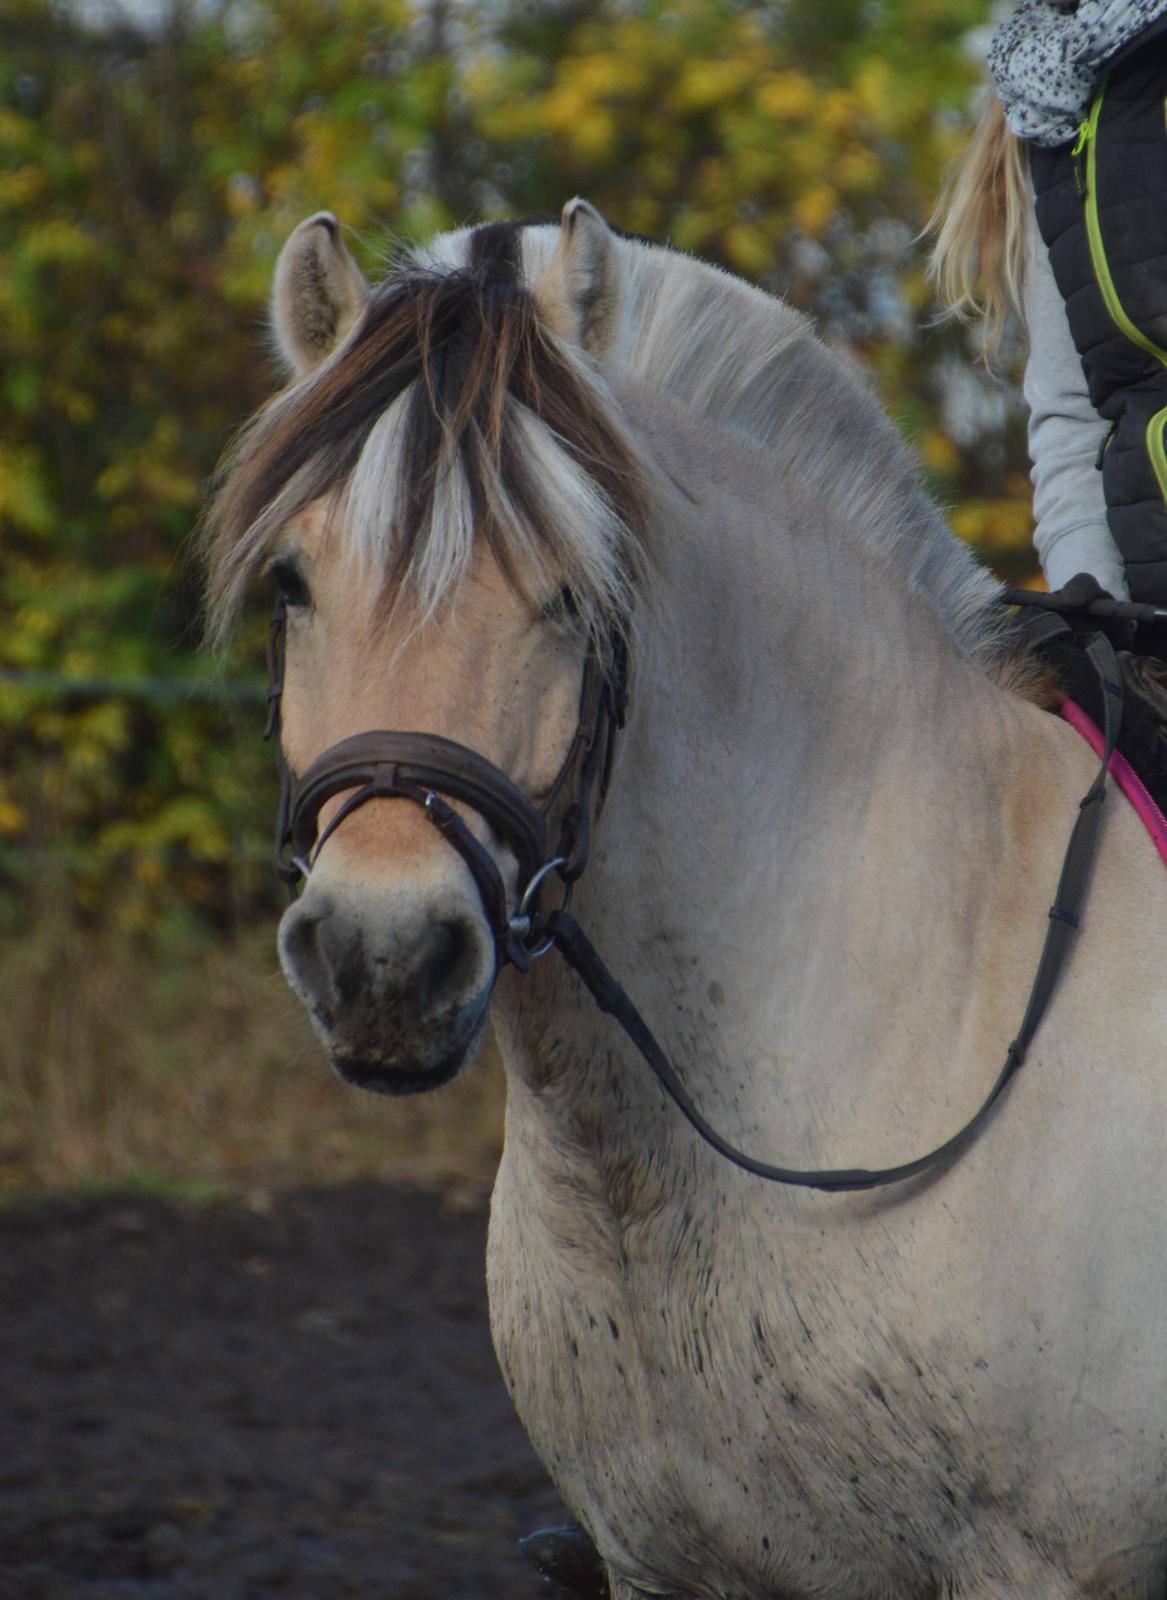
[(1102, 211)]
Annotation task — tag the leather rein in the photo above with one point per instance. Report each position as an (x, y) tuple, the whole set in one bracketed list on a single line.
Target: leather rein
[(425, 768)]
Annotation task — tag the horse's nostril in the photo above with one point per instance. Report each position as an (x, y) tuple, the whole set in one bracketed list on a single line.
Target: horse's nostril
[(302, 946), (447, 959)]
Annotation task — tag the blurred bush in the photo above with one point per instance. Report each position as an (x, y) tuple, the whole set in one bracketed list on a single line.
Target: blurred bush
[(151, 163), (190, 1068)]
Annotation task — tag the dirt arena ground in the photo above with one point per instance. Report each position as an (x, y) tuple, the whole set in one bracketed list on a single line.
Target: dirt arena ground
[(293, 1399)]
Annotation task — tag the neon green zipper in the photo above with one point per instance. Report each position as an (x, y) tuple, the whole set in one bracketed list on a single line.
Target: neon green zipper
[(1088, 141), (1157, 448)]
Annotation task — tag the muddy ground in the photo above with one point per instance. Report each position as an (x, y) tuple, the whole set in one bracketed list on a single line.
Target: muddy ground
[(228, 1402)]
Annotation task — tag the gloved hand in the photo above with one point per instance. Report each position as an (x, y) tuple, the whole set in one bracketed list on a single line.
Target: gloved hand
[(1073, 597)]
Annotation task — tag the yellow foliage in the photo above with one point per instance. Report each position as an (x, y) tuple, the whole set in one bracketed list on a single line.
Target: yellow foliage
[(78, 407), (594, 136), (939, 452), (22, 188), (242, 196), (815, 207), (609, 76), (714, 185), (703, 84), (875, 90), (839, 111), (858, 168), (507, 111), (13, 818), (1000, 524), (564, 105), (22, 496), (809, 157), (16, 132), (786, 97), (252, 73), (748, 249), (35, 623), (58, 241), (690, 229)]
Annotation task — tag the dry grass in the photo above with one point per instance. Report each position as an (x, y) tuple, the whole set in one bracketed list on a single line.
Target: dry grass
[(181, 1063)]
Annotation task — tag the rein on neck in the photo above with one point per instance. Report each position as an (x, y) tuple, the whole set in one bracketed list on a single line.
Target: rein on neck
[(425, 767)]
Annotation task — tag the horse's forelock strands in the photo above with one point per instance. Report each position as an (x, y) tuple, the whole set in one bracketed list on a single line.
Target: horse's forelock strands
[(448, 415)]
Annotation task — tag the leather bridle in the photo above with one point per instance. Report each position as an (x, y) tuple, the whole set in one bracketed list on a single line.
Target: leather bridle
[(424, 768)]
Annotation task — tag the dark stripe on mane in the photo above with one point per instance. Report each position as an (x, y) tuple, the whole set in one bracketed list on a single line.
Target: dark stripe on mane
[(465, 344), (495, 242)]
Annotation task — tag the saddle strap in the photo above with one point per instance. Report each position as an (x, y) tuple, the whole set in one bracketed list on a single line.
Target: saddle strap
[(1064, 915)]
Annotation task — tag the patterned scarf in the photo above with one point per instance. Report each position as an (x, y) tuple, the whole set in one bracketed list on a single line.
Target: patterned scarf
[(1046, 60)]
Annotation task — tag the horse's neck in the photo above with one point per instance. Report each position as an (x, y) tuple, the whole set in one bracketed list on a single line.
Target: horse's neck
[(795, 854)]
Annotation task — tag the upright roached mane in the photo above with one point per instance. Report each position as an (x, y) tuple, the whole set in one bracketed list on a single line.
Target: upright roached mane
[(450, 411)]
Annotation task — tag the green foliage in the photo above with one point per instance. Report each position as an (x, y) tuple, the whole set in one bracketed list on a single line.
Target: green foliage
[(148, 174)]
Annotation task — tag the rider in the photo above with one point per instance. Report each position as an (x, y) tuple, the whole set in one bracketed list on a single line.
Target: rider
[(1056, 210)]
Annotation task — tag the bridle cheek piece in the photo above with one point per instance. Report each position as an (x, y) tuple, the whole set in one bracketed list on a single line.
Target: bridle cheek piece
[(432, 771)]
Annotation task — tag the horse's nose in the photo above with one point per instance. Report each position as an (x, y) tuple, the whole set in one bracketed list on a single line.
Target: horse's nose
[(329, 953), (396, 985)]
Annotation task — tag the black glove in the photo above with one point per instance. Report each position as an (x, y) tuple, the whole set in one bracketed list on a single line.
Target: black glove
[(1071, 600)]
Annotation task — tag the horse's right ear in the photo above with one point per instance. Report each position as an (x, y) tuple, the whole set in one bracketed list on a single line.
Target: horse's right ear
[(317, 295), (579, 294)]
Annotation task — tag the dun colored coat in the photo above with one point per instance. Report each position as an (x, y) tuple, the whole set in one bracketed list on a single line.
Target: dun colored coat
[(823, 872)]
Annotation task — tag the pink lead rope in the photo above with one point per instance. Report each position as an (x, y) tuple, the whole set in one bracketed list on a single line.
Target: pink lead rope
[(1124, 774)]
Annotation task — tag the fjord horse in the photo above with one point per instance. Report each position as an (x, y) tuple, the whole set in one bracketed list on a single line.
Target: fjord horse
[(535, 455)]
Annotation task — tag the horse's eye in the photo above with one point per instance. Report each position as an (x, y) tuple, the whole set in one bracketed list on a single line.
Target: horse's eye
[(289, 580)]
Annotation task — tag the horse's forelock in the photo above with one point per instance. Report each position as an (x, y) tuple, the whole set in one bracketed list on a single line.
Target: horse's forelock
[(443, 378)]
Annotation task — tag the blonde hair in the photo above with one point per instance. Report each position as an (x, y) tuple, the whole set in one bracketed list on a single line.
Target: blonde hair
[(980, 221)]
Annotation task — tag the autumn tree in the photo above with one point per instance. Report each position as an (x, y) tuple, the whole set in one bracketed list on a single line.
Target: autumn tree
[(149, 173)]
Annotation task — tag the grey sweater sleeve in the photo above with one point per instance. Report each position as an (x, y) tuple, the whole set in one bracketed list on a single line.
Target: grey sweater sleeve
[(1065, 436)]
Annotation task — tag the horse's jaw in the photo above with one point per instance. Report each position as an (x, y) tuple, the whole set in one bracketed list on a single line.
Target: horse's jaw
[(397, 985)]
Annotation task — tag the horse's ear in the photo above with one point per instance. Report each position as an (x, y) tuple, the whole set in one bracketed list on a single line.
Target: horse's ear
[(579, 294), (317, 295)]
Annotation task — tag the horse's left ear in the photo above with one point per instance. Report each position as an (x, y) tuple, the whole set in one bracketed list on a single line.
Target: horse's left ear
[(579, 294), (317, 295)]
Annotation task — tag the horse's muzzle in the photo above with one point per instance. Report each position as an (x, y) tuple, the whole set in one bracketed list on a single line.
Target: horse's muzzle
[(397, 986)]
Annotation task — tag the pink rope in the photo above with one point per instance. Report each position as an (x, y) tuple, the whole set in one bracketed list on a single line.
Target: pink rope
[(1124, 774)]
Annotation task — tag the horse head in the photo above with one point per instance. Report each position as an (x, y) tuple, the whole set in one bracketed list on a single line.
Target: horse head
[(450, 520)]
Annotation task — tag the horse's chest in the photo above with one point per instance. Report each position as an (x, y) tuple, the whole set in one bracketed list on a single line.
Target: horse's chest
[(687, 1414), (796, 1425)]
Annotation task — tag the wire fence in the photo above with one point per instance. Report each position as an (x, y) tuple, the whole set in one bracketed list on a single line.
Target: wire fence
[(223, 690)]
